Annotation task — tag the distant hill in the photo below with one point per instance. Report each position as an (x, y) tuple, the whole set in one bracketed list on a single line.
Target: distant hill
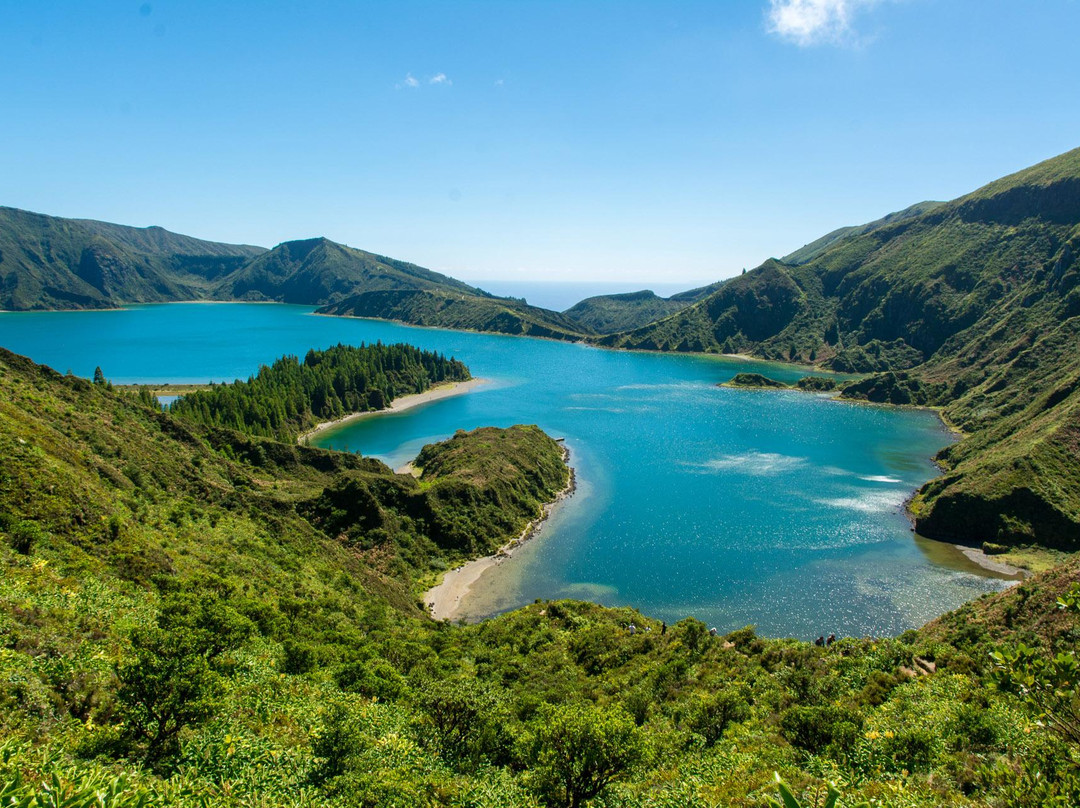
[(451, 309), (607, 314), (972, 305), (52, 263), (318, 271)]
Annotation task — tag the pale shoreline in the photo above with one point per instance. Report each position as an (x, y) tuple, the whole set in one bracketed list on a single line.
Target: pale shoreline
[(399, 404), (977, 556), (444, 599)]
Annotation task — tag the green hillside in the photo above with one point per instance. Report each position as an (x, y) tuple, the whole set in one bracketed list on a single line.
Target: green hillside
[(194, 616), (978, 302), (607, 314), (319, 271), (52, 263), (809, 252), (452, 309)]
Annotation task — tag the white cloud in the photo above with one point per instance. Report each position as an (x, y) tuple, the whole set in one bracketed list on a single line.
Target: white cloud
[(814, 22), (440, 78), (410, 81)]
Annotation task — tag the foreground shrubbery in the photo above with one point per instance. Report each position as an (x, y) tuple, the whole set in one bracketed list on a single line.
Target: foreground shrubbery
[(555, 704), (204, 618)]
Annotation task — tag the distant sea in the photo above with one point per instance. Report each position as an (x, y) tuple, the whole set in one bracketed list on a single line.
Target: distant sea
[(561, 295)]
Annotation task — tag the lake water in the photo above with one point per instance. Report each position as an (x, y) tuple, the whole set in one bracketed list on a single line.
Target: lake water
[(779, 509)]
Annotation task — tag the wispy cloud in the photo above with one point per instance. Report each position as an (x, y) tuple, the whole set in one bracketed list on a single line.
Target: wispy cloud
[(411, 82), (815, 22)]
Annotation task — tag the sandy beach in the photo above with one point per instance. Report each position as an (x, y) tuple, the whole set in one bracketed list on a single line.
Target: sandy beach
[(988, 562), (444, 599), (399, 404)]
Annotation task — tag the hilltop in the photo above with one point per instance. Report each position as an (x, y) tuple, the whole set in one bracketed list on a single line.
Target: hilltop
[(972, 306), (607, 314)]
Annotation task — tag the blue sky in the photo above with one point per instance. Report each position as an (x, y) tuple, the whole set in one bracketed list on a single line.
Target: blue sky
[(653, 142)]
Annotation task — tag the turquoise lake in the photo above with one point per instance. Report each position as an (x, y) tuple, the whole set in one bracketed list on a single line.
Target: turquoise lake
[(778, 509)]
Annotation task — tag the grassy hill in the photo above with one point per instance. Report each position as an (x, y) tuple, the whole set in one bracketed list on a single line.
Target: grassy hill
[(607, 314), (195, 616), (809, 252), (319, 271), (52, 263), (461, 310), (972, 305)]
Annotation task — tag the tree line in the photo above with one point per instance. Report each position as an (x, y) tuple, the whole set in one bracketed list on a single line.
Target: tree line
[(285, 398)]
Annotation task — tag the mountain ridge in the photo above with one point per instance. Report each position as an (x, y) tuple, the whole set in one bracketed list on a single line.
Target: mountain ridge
[(48, 262)]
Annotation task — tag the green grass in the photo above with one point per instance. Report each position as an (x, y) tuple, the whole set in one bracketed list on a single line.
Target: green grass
[(331, 687)]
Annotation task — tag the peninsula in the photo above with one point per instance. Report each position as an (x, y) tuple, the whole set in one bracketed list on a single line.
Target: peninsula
[(397, 405)]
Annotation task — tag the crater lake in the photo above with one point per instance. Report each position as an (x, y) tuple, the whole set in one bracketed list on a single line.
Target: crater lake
[(783, 510)]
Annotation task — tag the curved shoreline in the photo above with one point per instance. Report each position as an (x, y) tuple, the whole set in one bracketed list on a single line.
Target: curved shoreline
[(400, 404), (443, 600)]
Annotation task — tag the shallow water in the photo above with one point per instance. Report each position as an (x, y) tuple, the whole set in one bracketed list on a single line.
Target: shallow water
[(779, 509)]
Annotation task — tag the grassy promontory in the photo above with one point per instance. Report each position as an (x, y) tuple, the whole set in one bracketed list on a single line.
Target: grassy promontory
[(755, 381), (192, 615)]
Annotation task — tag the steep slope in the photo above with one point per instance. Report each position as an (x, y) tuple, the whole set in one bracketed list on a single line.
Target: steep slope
[(227, 621), (105, 476), (741, 315), (52, 263), (319, 271), (809, 252), (978, 300), (608, 314)]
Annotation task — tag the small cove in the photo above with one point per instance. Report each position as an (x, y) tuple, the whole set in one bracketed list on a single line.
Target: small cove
[(778, 509)]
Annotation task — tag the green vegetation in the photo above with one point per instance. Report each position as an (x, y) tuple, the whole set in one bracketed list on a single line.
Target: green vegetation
[(470, 312), (318, 271), (493, 479), (816, 384), (807, 384), (755, 380), (972, 306), (290, 396), (52, 263), (194, 616), (607, 314)]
